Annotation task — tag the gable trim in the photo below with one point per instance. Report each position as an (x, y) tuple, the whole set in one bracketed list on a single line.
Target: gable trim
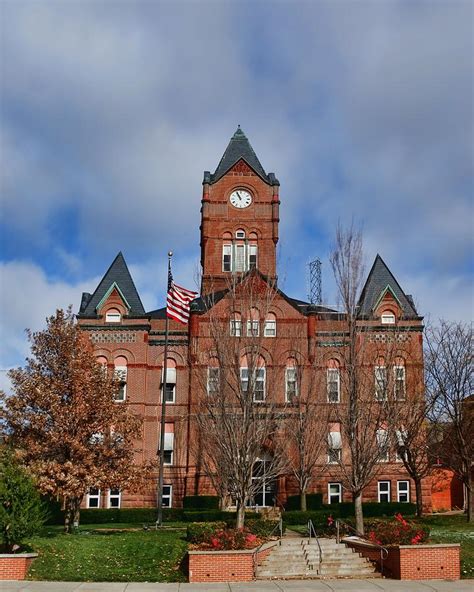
[(387, 289), (107, 294)]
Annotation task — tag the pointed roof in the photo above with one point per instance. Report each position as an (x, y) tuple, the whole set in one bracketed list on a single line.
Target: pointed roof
[(117, 276), (239, 148), (380, 281)]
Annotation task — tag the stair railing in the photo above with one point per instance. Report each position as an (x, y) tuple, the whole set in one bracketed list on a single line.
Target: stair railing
[(383, 550), (312, 533), (277, 528)]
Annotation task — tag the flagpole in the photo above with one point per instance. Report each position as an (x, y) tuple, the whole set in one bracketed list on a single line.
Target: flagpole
[(159, 519)]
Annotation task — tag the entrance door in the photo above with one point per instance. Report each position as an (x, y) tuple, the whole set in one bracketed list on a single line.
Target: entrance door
[(266, 492)]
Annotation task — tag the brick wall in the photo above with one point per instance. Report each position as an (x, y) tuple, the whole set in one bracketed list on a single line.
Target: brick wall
[(15, 567), (224, 566), (417, 562)]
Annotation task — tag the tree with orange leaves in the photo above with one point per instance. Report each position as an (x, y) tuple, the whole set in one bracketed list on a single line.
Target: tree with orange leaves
[(64, 421)]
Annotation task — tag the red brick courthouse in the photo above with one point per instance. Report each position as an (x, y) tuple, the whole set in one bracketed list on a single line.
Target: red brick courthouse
[(239, 235)]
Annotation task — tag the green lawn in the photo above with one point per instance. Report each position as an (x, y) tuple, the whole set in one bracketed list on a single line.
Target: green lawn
[(98, 553)]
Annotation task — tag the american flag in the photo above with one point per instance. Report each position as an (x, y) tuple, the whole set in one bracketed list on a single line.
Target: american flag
[(178, 301)]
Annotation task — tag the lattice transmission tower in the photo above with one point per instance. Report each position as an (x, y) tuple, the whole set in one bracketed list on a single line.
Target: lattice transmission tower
[(315, 284)]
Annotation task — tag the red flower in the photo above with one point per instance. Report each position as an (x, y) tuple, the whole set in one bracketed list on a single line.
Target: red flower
[(330, 520)]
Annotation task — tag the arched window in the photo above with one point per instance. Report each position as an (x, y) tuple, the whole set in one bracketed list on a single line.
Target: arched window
[(333, 381), (113, 315), (239, 253), (120, 372), (383, 442), (399, 385), (387, 318), (236, 325), (269, 329), (170, 382), (334, 443), (240, 234), (291, 380), (380, 372), (253, 323)]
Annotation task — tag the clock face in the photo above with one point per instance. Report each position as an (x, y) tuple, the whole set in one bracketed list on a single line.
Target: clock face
[(240, 198)]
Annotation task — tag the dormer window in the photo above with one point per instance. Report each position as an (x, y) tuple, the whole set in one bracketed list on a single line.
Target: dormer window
[(388, 318), (113, 316)]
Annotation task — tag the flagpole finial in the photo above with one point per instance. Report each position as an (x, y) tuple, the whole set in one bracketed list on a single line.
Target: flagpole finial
[(170, 254)]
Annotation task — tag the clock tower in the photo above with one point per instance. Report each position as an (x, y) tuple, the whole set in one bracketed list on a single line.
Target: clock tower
[(239, 217)]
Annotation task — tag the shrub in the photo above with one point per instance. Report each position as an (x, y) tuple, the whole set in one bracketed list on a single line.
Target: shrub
[(263, 528), (397, 531), (201, 502), (218, 537), (22, 513), (314, 501), (198, 533)]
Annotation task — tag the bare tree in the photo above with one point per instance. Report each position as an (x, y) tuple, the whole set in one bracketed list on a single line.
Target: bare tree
[(450, 385), (304, 439), (237, 417)]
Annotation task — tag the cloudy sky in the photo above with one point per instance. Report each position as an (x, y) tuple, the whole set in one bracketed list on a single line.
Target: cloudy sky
[(111, 111)]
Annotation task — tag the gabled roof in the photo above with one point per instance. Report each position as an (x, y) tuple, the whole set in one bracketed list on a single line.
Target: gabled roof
[(380, 281), (117, 276), (239, 148)]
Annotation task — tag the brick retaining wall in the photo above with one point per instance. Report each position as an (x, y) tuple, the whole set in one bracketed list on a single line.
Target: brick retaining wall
[(415, 562), (15, 566), (225, 566)]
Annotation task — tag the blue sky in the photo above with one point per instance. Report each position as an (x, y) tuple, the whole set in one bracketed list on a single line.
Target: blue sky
[(111, 111)]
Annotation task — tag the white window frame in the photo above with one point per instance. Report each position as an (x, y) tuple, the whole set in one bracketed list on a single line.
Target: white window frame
[(121, 374), (260, 378), (213, 381), (240, 234), (291, 396), (253, 328), (167, 496), (113, 316), (169, 448), (171, 379), (336, 372), (331, 495), (405, 492), (240, 258), (334, 447), (236, 327), (397, 379), (111, 496), (401, 438), (95, 496), (252, 251), (227, 252), (387, 491), (380, 376), (270, 328), (387, 318)]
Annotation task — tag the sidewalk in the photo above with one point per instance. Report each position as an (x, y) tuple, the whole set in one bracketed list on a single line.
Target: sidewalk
[(341, 585)]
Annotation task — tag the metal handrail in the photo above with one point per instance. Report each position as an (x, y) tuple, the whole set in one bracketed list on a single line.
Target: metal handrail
[(279, 526), (383, 550), (311, 529)]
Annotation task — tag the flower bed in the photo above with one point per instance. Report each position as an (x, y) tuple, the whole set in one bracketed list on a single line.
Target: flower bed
[(15, 566)]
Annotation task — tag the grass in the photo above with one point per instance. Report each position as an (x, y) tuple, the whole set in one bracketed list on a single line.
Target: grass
[(100, 553)]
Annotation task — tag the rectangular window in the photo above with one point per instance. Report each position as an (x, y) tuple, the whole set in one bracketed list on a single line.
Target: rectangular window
[(403, 491), (383, 445), (291, 384), (227, 258), (167, 497), (259, 394), (169, 443), (212, 381), (235, 327), (93, 498), (334, 493), (334, 447), (120, 373), (399, 382), (253, 328), (240, 258), (380, 383), (270, 328), (114, 498), (252, 256), (244, 379), (384, 491), (401, 436), (170, 386), (333, 384)]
